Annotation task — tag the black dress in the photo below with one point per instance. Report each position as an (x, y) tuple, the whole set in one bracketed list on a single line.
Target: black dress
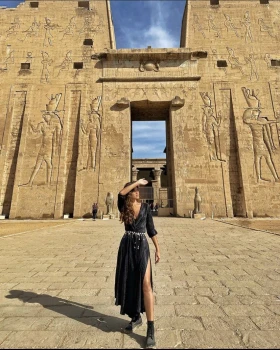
[(133, 257)]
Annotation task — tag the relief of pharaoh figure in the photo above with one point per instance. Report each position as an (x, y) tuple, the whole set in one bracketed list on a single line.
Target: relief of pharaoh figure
[(50, 129), (261, 143)]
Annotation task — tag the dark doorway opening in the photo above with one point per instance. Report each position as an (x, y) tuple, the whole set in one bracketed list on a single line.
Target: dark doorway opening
[(149, 157)]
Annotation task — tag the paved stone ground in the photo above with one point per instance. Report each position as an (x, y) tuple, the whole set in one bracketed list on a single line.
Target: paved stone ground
[(217, 286)]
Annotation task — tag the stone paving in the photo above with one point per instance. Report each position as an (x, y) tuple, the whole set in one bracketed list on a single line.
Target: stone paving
[(217, 286)]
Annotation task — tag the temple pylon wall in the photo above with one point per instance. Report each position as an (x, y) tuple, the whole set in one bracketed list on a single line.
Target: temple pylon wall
[(68, 98)]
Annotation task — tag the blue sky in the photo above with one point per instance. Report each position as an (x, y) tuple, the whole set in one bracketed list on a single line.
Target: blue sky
[(139, 24)]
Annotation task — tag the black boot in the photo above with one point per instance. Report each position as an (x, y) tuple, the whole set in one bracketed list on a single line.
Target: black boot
[(150, 339), (134, 323)]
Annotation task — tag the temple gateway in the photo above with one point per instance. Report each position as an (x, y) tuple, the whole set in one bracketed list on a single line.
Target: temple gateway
[(68, 98)]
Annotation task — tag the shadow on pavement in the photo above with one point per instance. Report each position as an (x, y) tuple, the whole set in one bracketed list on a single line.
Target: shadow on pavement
[(79, 312)]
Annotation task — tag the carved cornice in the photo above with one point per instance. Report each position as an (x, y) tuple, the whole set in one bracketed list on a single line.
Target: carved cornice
[(151, 54), (147, 79)]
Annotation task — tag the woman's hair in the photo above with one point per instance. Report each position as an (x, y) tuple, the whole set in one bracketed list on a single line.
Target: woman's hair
[(127, 216)]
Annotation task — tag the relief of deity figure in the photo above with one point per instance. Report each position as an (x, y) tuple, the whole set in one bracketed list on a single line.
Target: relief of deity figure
[(13, 29), (265, 28), (197, 26), (247, 24), (212, 26), (48, 35), (234, 61), (91, 130), (210, 127), (261, 143), (87, 28), (253, 68), (46, 61), (69, 30), (65, 63), (32, 31), (8, 60), (230, 26)]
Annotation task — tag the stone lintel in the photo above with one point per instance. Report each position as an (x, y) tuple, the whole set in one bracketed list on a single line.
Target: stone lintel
[(154, 54), (146, 79)]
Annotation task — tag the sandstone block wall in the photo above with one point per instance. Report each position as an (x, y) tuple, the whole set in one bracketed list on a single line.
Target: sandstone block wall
[(68, 97)]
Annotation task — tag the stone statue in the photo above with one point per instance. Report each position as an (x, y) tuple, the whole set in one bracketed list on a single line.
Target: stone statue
[(109, 203), (197, 202)]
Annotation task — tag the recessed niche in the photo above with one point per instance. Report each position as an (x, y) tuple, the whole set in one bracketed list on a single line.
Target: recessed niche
[(34, 4), (222, 63), (275, 63), (25, 66), (84, 4), (78, 65), (88, 42)]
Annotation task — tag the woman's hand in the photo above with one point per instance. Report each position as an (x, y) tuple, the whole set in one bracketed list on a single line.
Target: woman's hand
[(157, 256), (142, 182)]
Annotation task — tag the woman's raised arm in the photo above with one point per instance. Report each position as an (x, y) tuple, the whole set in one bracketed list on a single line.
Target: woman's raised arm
[(127, 189)]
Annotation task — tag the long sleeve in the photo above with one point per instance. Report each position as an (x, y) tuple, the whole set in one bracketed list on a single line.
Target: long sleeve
[(150, 223)]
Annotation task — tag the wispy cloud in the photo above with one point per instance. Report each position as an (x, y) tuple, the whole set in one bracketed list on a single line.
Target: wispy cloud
[(148, 23), (148, 139)]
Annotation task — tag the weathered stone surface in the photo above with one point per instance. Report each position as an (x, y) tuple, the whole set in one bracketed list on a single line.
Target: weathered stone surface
[(78, 317), (207, 340)]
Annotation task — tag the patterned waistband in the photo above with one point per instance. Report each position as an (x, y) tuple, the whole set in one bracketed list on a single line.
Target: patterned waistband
[(134, 233)]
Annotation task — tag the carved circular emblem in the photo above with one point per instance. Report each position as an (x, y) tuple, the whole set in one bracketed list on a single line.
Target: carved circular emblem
[(149, 66)]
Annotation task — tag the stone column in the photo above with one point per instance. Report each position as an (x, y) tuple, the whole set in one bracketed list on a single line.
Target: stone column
[(156, 183), (134, 173)]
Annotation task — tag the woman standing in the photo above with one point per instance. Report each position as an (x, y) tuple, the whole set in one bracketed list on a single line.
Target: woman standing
[(133, 283)]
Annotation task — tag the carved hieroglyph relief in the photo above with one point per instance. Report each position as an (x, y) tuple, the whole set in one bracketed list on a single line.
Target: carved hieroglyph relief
[(246, 23), (14, 28), (197, 26), (212, 26), (91, 131), (29, 57), (210, 127), (263, 145), (46, 62), (254, 75), (267, 59), (230, 25), (49, 27), (8, 60), (32, 31), (69, 30), (266, 28), (234, 61), (49, 129), (64, 66)]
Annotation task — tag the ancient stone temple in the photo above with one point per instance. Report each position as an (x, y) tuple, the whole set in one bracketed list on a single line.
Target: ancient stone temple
[(68, 98)]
